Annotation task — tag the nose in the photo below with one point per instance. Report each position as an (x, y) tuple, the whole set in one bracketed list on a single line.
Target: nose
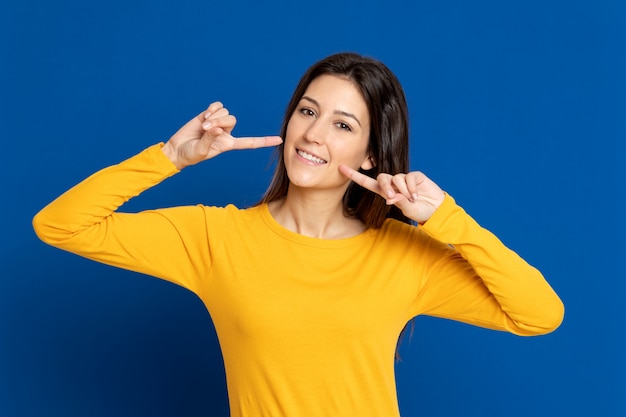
[(316, 132)]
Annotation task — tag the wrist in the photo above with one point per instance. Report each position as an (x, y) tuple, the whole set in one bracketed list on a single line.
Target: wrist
[(172, 155)]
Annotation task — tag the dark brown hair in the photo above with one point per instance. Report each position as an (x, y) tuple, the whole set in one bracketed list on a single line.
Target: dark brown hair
[(389, 132)]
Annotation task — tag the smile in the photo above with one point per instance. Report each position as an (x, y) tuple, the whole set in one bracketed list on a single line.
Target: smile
[(310, 157)]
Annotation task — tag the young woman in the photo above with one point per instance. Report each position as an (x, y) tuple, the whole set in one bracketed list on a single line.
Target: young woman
[(310, 289)]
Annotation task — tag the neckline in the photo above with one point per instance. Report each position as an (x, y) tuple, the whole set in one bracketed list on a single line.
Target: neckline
[(280, 230)]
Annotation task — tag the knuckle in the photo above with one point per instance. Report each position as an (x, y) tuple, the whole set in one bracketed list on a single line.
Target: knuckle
[(215, 106), (222, 112), (399, 179)]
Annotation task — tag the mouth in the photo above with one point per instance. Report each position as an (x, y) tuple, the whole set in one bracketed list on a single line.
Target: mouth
[(312, 158)]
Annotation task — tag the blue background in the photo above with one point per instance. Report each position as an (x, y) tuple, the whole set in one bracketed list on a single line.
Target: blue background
[(518, 109)]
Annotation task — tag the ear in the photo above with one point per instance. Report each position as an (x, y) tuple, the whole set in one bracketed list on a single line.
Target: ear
[(368, 163)]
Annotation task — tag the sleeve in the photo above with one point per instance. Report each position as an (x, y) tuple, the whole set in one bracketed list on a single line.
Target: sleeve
[(165, 243), (478, 280)]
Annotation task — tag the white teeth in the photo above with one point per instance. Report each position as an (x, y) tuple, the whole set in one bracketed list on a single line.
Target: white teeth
[(310, 157)]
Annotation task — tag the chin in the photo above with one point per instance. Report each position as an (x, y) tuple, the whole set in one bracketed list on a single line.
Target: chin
[(302, 183)]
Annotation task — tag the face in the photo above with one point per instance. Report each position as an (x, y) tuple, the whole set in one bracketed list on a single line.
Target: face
[(329, 127)]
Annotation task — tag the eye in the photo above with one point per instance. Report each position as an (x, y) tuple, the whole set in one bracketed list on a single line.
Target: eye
[(344, 126), (306, 111)]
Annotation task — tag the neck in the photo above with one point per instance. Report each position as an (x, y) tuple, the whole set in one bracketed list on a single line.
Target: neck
[(315, 214)]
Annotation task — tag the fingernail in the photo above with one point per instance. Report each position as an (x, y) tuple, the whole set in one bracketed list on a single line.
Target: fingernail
[(414, 196), (206, 125), (390, 194)]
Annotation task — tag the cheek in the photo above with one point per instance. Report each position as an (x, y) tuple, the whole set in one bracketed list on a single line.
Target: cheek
[(360, 151), (351, 155), (291, 131)]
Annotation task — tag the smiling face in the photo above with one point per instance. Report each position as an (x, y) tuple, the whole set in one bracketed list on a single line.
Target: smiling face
[(388, 130), (330, 126)]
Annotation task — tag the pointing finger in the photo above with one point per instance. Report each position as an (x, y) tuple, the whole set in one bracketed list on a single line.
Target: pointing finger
[(361, 179), (257, 142)]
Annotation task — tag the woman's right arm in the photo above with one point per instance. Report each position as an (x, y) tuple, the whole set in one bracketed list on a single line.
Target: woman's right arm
[(167, 243)]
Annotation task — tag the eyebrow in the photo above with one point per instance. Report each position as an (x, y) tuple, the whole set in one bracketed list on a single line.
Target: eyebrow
[(340, 112)]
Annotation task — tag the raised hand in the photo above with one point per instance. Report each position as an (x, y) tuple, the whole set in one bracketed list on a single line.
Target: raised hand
[(207, 135), (414, 193)]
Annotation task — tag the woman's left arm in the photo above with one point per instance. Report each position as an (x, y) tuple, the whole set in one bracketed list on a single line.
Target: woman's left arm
[(480, 281)]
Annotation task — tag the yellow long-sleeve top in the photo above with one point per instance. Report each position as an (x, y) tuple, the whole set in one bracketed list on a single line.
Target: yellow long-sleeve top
[(307, 327)]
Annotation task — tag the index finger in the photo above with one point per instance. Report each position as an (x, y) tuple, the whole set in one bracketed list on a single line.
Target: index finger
[(257, 142), (361, 179)]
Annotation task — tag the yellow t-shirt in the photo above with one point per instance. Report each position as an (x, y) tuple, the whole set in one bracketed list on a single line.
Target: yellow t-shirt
[(307, 327)]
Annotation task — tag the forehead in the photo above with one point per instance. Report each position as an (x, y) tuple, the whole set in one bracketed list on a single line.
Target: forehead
[(337, 93)]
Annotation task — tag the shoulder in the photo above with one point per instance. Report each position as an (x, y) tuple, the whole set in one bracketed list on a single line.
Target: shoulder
[(399, 236), (397, 231), (231, 211), (231, 215)]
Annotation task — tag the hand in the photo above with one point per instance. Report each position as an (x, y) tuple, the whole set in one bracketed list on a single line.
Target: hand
[(414, 193), (207, 135)]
